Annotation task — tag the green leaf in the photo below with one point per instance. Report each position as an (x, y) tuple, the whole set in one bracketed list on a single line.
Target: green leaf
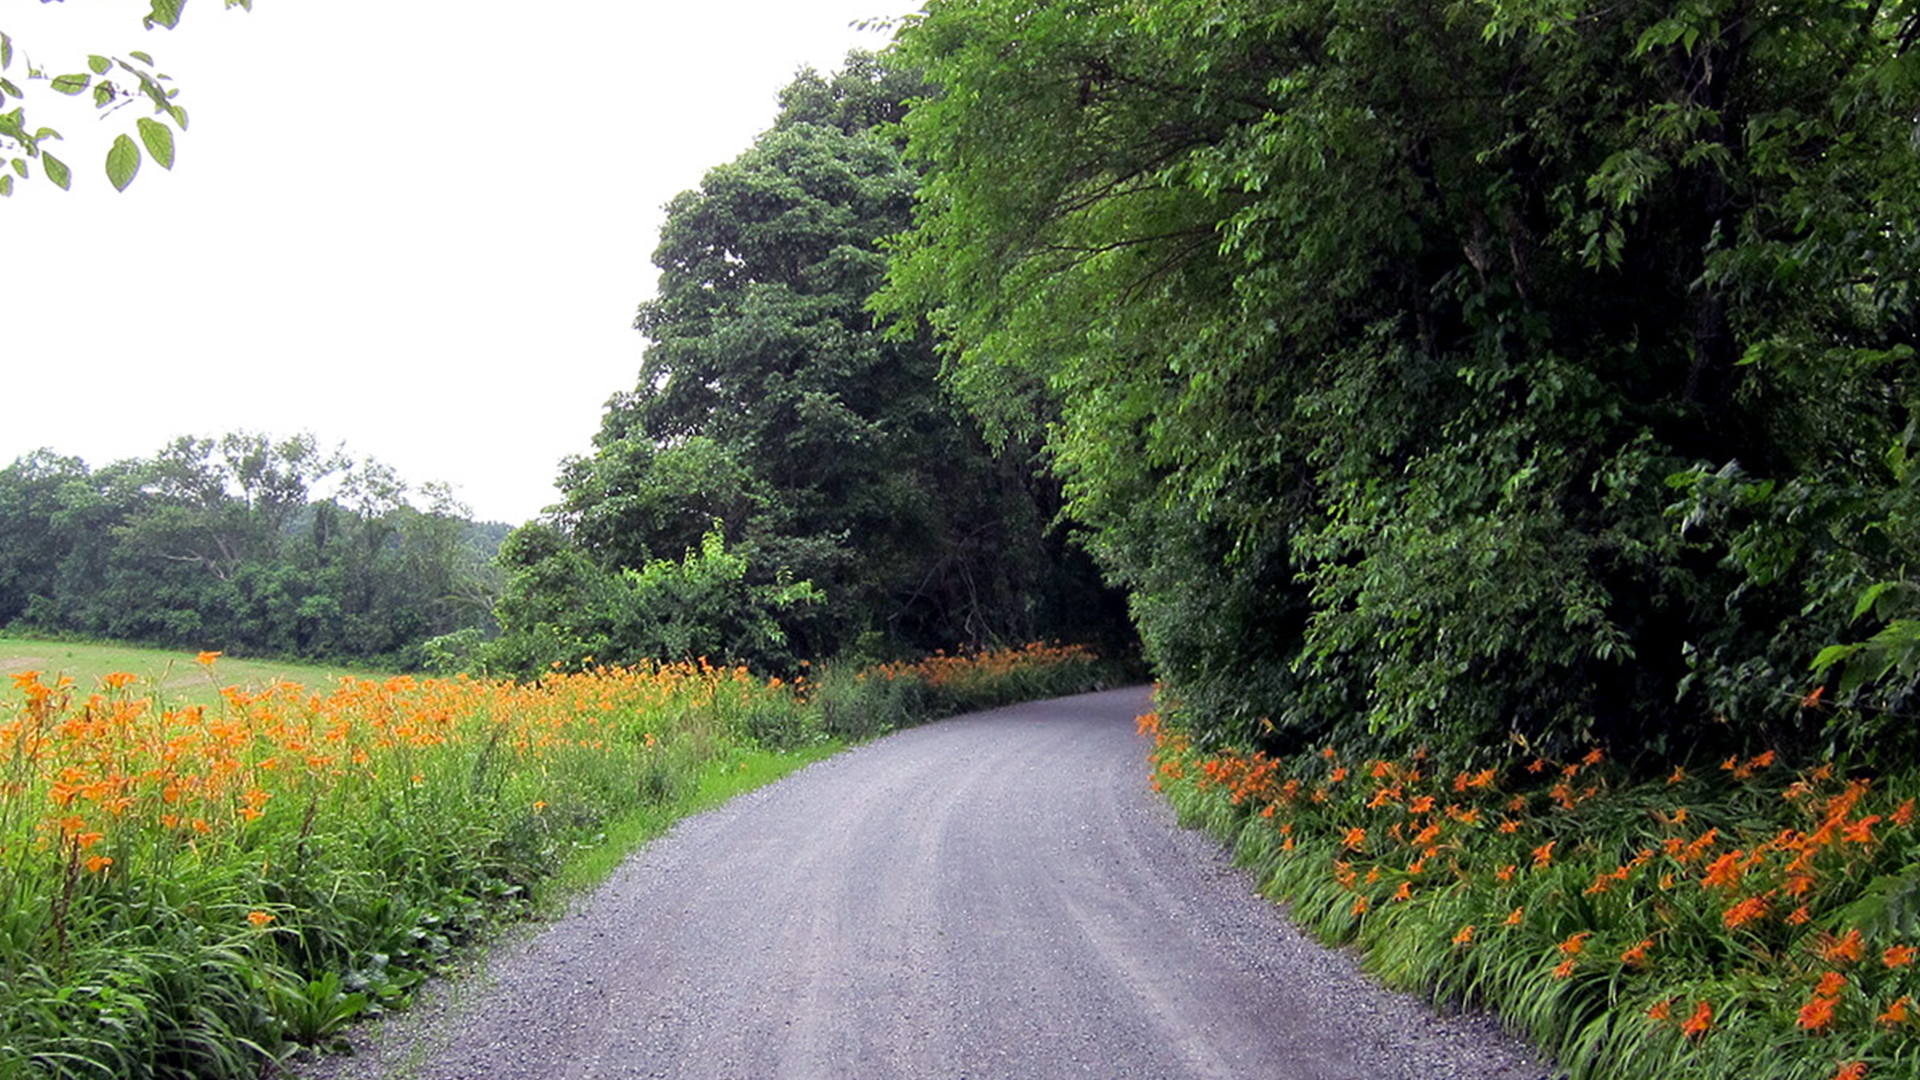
[(20, 166), (165, 12), (6, 52), (71, 84), (1867, 598), (179, 115), (57, 171), (102, 96), (142, 57), (123, 161), (6, 185), (7, 87), (100, 64), (1830, 656), (159, 141)]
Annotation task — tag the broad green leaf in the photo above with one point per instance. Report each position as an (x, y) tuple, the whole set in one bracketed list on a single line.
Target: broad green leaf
[(45, 133), (6, 52), (165, 12), (71, 84), (1830, 656), (123, 161), (1867, 598), (7, 87), (179, 115), (57, 171), (20, 166), (142, 57), (6, 185), (102, 95), (158, 139), (99, 64)]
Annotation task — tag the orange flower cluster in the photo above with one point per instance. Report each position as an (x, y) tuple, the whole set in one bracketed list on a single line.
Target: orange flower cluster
[(1401, 835), (118, 771), (987, 666)]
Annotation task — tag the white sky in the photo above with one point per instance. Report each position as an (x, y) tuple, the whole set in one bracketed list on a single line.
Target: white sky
[(418, 227)]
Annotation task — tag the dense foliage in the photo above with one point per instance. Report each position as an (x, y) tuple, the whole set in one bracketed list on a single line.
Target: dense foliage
[(242, 544), (1536, 371), (803, 481)]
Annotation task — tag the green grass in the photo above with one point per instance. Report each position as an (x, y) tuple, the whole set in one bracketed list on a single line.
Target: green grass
[(738, 772), (171, 675)]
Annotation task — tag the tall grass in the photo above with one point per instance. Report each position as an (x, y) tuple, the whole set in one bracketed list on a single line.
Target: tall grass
[(1744, 920), (187, 891)]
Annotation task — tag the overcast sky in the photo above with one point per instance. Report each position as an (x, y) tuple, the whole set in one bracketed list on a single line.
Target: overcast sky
[(418, 227)]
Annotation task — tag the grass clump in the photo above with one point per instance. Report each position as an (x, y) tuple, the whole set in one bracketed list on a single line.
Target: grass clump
[(1746, 919)]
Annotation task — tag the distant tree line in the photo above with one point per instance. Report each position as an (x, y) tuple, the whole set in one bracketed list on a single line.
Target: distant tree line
[(242, 543)]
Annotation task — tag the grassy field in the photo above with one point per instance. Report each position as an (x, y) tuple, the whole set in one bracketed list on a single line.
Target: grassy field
[(173, 677)]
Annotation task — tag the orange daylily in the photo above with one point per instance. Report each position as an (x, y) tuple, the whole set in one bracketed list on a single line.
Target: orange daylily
[(1700, 1022)]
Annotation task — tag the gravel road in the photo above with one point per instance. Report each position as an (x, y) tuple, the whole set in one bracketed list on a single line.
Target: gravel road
[(992, 897)]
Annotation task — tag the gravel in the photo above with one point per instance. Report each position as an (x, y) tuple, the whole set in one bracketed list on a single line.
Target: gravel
[(996, 896)]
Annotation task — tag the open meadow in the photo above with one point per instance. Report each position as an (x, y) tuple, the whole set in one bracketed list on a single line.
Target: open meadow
[(169, 675)]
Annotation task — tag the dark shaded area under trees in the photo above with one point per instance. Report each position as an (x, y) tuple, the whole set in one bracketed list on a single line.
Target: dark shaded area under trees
[(243, 544)]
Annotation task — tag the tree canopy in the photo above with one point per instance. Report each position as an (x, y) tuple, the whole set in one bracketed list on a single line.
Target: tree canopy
[(1516, 372), (773, 421)]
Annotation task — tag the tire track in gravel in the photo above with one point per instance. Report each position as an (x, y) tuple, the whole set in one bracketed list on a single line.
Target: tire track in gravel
[(995, 897)]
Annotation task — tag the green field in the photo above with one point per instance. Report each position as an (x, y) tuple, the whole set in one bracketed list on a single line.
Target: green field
[(174, 677)]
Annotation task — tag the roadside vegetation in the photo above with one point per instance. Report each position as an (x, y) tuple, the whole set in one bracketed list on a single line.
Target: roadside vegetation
[(194, 890), (1748, 917)]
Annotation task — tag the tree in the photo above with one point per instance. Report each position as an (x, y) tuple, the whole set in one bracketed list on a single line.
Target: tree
[(1367, 337), (33, 492), (771, 406), (562, 610), (112, 82)]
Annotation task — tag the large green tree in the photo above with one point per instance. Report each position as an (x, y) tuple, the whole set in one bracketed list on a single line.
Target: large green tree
[(1386, 346), (771, 407)]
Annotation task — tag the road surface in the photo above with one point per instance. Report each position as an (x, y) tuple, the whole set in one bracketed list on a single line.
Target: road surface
[(995, 897)]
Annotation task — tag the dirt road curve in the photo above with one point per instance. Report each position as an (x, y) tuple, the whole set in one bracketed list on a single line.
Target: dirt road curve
[(994, 897)]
